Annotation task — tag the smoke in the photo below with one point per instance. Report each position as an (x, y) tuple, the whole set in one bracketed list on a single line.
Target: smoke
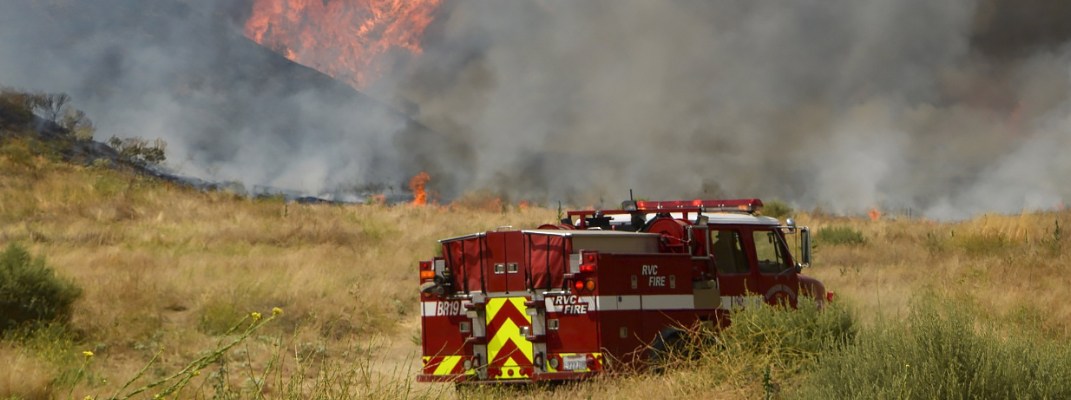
[(946, 109), (228, 109)]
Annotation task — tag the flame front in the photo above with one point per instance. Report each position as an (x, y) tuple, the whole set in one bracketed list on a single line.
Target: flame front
[(345, 39), (419, 187), (874, 214)]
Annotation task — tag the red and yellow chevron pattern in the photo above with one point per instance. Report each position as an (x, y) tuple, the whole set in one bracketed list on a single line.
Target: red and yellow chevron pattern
[(445, 365), (510, 354)]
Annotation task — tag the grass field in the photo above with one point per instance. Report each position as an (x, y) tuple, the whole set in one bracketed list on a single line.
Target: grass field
[(170, 277)]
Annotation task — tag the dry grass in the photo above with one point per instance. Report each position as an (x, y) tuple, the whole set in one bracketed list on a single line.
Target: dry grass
[(1012, 265), (23, 376), (165, 270)]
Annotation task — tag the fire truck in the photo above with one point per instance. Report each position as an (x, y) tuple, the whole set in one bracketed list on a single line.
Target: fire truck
[(602, 289)]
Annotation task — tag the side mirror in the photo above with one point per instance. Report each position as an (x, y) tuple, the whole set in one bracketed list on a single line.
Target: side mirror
[(805, 247)]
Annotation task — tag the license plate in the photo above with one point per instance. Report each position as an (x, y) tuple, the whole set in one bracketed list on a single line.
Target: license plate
[(575, 363)]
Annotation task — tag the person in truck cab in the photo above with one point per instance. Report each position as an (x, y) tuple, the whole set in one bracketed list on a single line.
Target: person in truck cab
[(728, 255)]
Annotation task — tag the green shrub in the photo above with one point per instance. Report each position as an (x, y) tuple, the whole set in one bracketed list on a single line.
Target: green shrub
[(791, 338), (30, 292), (941, 353), (982, 244), (835, 235), (139, 151), (777, 209)]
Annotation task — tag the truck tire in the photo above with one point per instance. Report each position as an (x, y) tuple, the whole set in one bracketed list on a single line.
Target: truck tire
[(670, 344)]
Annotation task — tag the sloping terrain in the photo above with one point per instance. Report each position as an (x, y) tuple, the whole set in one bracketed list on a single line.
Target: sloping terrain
[(168, 272), (228, 108)]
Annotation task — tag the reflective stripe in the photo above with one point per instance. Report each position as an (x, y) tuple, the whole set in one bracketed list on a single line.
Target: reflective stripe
[(557, 308), (446, 367), (738, 302), (451, 308), (668, 302)]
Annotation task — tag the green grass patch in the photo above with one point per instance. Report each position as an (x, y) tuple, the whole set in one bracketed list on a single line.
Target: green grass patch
[(839, 235), (982, 244), (942, 352)]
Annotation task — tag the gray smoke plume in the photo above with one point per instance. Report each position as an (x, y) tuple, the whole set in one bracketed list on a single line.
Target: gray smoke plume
[(948, 109), (945, 108), (228, 109)]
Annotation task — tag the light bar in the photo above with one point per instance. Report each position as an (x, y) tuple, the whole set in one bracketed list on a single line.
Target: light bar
[(746, 205)]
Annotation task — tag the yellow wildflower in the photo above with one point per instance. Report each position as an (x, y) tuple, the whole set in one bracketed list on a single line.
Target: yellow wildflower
[(87, 354), (255, 315), (276, 311)]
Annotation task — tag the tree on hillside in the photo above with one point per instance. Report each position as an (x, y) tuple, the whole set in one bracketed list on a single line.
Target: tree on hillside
[(139, 151), (50, 106), (57, 109)]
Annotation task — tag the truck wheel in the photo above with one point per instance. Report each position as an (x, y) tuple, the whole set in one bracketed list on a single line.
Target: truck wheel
[(668, 346)]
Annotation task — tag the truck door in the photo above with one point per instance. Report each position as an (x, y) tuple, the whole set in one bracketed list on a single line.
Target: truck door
[(777, 280), (733, 265)]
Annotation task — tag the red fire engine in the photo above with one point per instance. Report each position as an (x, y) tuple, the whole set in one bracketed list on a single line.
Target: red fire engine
[(602, 289)]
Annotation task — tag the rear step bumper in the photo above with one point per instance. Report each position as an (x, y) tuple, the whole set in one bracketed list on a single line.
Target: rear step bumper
[(539, 377)]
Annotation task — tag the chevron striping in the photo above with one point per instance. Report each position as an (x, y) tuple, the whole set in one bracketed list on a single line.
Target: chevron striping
[(507, 348), (447, 366)]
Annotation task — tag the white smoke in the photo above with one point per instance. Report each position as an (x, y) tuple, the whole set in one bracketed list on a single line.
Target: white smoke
[(947, 109), (843, 105)]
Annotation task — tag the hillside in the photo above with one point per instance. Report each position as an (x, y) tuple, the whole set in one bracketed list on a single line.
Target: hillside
[(229, 109), (167, 271)]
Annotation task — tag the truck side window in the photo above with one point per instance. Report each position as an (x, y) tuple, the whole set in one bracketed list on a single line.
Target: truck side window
[(770, 252), (728, 254)]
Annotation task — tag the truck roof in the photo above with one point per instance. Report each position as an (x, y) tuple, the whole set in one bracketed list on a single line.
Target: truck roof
[(716, 218), (587, 233)]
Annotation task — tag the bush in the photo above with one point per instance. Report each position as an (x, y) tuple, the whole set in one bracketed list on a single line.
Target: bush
[(139, 151), (792, 338), (940, 353), (777, 209), (839, 235), (30, 292)]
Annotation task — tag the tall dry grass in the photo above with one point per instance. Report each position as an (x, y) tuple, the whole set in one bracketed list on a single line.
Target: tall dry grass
[(24, 376), (167, 270)]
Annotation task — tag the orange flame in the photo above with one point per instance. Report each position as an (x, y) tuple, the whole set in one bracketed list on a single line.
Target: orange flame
[(419, 187), (345, 39), (874, 214)]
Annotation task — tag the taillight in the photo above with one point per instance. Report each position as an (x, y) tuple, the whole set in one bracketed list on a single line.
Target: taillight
[(426, 271), (590, 258), (584, 281)]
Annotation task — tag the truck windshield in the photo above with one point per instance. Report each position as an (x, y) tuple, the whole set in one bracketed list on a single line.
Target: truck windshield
[(770, 251)]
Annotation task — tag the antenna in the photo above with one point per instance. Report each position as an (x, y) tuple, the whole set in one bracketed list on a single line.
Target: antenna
[(630, 198)]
